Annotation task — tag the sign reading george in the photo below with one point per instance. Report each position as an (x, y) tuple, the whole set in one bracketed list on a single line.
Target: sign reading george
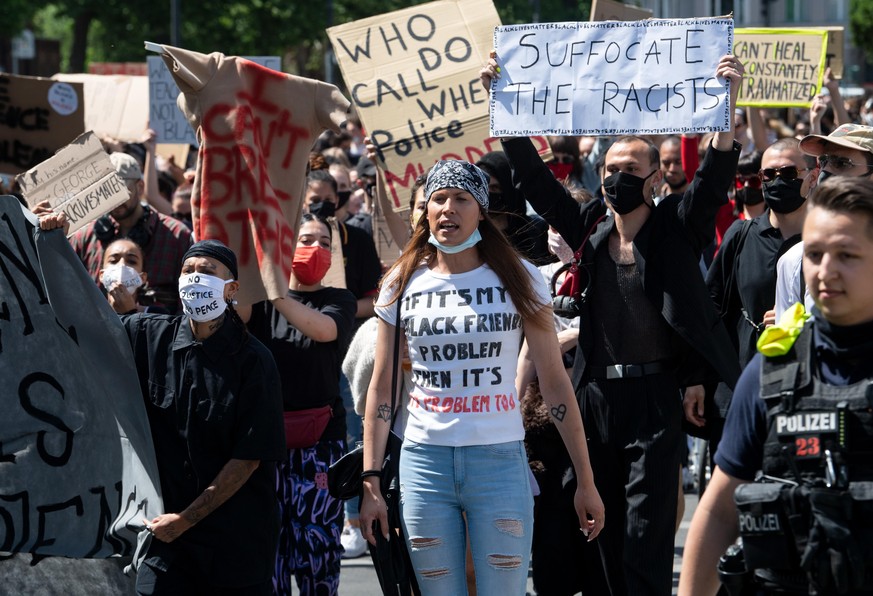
[(165, 117), (609, 78), (78, 180), (784, 67), (413, 77), (37, 117)]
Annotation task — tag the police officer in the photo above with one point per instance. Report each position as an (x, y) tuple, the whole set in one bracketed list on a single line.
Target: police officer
[(801, 415)]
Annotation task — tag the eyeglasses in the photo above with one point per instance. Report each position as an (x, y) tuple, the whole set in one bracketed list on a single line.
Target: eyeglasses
[(787, 173), (839, 164), (752, 181)]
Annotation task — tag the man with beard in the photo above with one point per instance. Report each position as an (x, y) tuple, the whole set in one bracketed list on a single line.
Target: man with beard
[(163, 239), (675, 180), (742, 278)]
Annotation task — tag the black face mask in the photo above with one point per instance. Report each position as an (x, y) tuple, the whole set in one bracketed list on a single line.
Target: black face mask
[(750, 196), (782, 196), (323, 209), (343, 196), (625, 191)]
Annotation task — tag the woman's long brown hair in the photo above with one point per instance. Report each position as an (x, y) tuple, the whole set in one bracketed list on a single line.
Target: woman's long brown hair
[(495, 251)]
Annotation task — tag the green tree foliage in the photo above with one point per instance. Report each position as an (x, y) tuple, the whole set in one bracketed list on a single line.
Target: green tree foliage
[(861, 25), (114, 30)]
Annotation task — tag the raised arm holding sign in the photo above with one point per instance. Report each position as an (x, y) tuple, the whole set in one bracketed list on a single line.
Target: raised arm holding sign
[(612, 77), (647, 328)]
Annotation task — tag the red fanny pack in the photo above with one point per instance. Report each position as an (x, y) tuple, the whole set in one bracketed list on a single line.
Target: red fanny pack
[(303, 428)]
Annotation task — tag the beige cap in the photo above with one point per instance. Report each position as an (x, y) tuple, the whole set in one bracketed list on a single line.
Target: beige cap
[(853, 136), (126, 166)]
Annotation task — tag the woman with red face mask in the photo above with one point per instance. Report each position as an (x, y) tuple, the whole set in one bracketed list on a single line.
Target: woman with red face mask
[(308, 332)]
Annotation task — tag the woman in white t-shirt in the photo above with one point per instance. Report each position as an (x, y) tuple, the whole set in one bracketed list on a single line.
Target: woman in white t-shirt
[(465, 300)]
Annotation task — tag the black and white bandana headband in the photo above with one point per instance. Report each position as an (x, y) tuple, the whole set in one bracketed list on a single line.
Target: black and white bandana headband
[(458, 174)]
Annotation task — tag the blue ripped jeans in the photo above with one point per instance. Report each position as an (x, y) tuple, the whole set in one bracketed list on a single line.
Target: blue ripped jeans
[(491, 484)]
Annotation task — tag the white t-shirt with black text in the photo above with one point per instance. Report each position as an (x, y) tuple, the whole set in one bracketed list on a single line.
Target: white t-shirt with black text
[(464, 334)]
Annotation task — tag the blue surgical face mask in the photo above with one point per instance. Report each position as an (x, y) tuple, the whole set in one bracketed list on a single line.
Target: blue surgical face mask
[(471, 240)]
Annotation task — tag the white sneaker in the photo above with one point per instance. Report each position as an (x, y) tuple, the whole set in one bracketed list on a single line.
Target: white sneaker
[(353, 542)]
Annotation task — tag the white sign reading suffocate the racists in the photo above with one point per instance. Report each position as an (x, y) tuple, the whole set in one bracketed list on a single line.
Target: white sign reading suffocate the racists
[(608, 78)]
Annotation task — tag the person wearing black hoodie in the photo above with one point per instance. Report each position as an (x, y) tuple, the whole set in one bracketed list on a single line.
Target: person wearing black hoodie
[(528, 235)]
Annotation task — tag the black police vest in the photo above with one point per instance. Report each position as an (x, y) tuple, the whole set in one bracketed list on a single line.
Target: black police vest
[(808, 527), (815, 429)]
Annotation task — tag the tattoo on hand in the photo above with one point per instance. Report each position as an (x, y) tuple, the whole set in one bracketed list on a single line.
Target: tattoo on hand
[(559, 412), (384, 412)]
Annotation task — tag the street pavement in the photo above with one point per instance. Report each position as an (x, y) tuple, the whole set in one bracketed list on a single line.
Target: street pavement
[(359, 579)]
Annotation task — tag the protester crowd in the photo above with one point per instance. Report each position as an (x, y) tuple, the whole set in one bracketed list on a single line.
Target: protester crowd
[(689, 249)]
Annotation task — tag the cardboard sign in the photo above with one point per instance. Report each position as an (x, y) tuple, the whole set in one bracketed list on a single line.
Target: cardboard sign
[(610, 78), (115, 106), (256, 127), (164, 116), (78, 471), (784, 67), (139, 69), (79, 180), (835, 44), (413, 76), (37, 117), (610, 10)]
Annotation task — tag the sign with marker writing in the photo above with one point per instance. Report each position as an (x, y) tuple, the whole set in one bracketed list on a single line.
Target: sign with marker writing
[(256, 126), (165, 117), (37, 117), (79, 180), (611, 78), (78, 471), (784, 67), (413, 76)]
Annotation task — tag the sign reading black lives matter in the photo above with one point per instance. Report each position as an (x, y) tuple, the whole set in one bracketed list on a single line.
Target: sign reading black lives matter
[(79, 180), (612, 77), (77, 465)]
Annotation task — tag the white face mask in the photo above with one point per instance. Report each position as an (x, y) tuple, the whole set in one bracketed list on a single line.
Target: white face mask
[(119, 272), (202, 296)]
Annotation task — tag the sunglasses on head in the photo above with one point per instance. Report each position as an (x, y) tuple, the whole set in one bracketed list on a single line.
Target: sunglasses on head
[(839, 164), (787, 173), (752, 180)]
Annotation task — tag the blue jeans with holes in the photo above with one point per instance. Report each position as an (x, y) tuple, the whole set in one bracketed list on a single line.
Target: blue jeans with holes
[(491, 484)]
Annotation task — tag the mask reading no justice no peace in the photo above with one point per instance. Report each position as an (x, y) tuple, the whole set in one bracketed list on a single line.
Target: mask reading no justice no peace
[(202, 296)]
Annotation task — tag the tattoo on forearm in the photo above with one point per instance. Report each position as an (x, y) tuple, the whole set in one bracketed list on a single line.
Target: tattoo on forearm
[(384, 412), (559, 412), (231, 477)]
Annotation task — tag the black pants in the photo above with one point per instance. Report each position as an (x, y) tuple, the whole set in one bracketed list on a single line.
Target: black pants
[(183, 576), (634, 440)]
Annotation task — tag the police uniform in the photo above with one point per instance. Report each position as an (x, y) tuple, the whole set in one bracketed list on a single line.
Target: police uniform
[(805, 419)]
